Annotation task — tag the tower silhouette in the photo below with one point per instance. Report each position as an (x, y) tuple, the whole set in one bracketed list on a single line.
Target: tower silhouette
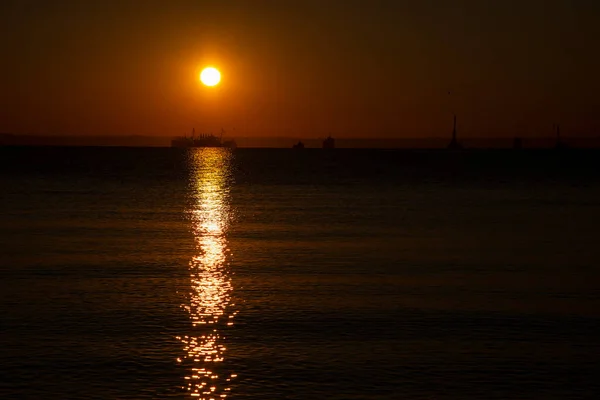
[(454, 145), (559, 143)]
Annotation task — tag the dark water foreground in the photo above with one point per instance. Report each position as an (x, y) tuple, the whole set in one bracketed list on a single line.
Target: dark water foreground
[(268, 274)]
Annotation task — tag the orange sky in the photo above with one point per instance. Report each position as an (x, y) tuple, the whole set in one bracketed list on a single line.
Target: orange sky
[(300, 68)]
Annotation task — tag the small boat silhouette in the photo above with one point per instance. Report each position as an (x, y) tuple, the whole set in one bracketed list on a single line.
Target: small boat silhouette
[(329, 143)]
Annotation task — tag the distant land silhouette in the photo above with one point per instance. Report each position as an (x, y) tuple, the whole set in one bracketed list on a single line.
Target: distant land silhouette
[(310, 141)]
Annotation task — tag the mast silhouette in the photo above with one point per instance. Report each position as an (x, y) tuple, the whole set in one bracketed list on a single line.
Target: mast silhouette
[(559, 143), (454, 145)]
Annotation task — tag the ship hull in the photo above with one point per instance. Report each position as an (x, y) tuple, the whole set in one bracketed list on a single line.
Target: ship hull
[(199, 144), (189, 145)]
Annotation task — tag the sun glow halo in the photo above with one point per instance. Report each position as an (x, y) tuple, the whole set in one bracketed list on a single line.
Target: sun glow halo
[(210, 76)]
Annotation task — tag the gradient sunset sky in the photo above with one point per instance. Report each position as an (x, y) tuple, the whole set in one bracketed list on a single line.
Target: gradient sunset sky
[(353, 68)]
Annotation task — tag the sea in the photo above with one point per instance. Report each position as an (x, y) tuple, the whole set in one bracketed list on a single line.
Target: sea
[(165, 273)]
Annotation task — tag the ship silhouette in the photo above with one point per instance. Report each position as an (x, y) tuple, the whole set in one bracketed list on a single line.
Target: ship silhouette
[(202, 140), (329, 143)]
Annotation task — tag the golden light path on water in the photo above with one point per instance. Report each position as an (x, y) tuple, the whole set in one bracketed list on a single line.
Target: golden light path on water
[(210, 305)]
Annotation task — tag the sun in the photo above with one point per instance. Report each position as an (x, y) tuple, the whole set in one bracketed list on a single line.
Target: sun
[(210, 76)]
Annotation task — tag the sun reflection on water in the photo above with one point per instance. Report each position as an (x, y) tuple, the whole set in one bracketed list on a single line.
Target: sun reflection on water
[(210, 304)]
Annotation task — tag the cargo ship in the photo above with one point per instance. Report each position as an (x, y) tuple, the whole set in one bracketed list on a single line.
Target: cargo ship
[(202, 140)]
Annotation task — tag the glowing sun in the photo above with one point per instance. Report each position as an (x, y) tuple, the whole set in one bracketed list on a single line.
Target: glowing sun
[(210, 76)]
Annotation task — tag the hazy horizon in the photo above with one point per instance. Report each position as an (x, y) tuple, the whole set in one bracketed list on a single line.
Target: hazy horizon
[(309, 141)]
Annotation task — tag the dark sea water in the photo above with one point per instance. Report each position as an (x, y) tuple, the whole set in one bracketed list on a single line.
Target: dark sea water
[(157, 273)]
